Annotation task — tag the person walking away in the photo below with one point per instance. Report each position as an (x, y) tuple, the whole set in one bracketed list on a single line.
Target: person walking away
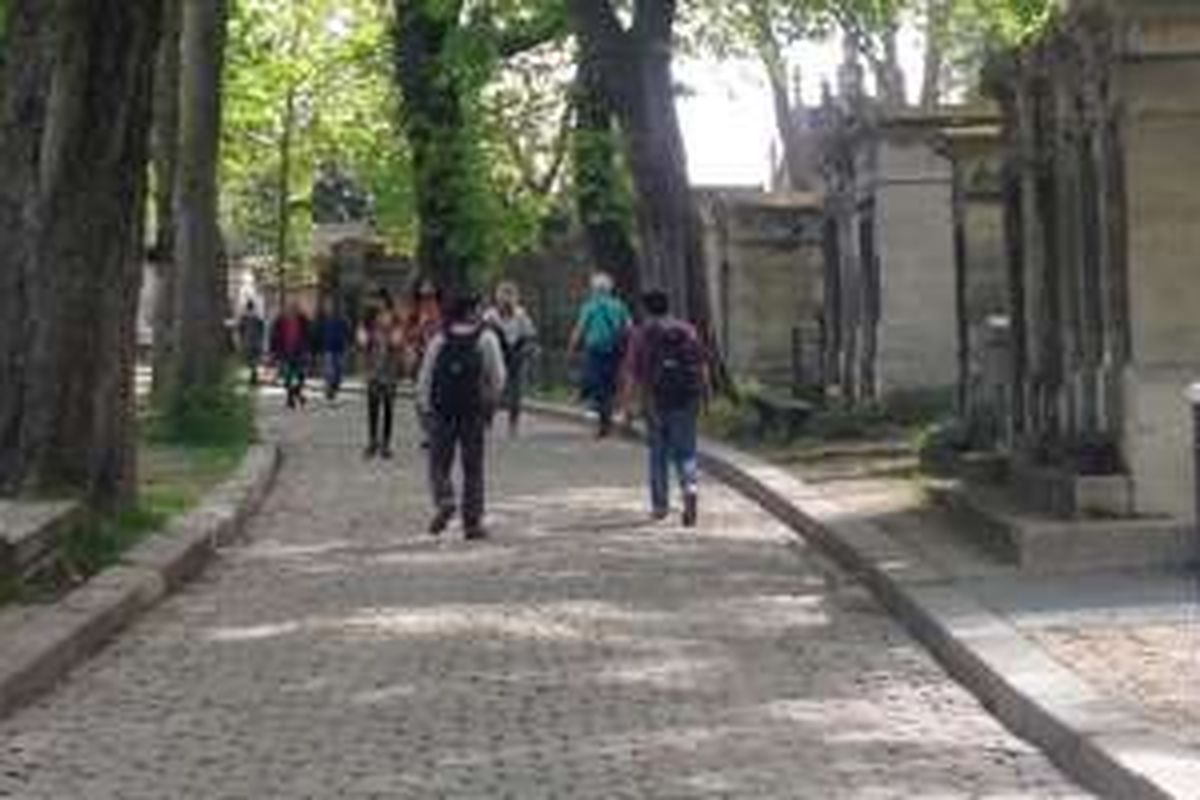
[(332, 336), (382, 342), (290, 347), (601, 332), (667, 369), (461, 378), (252, 334), (518, 335)]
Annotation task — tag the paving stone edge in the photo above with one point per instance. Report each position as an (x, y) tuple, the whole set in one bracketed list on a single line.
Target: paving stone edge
[(1102, 743), (40, 651)]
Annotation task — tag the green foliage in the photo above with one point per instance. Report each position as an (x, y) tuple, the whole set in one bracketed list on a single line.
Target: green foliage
[(332, 58), (220, 416)]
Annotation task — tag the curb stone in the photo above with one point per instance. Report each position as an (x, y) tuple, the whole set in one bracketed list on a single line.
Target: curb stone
[(51, 641), (1101, 742)]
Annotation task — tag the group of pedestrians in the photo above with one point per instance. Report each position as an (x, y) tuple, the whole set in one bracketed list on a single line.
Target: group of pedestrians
[(658, 370), (468, 362)]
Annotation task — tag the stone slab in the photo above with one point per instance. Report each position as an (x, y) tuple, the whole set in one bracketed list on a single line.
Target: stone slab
[(29, 531), (49, 642)]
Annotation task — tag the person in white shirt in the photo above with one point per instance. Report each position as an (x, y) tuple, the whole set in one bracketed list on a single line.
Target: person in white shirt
[(518, 338), (461, 380)]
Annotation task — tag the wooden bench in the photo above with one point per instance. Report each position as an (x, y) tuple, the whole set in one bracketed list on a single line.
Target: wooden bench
[(786, 415)]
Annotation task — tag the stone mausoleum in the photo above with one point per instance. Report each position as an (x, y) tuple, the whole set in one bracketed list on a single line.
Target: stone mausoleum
[(763, 256), (1102, 125)]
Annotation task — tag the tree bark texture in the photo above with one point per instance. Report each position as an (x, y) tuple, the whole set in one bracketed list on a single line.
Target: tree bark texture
[(198, 356), (797, 156), (635, 65), (165, 155), (435, 124), (600, 187), (936, 12), (74, 141)]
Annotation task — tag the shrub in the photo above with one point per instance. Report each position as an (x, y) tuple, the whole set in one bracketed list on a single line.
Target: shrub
[(221, 415)]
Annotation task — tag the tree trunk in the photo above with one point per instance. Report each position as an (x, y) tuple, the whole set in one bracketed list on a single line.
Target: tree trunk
[(934, 57), (198, 350), (635, 65), (283, 222), (73, 148), (166, 150), (795, 153), (600, 190), (441, 150)]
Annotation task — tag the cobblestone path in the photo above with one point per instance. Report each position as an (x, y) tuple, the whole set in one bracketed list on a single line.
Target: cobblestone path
[(580, 654)]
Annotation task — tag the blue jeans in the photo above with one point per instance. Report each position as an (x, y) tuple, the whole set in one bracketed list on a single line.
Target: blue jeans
[(335, 367), (672, 439), (600, 373)]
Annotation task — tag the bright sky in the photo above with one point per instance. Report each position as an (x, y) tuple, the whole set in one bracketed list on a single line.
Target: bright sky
[(728, 122)]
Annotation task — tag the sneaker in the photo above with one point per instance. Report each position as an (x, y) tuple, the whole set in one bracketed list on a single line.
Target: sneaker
[(691, 510), (386, 453), (659, 514), (475, 533), (441, 521), (370, 452)]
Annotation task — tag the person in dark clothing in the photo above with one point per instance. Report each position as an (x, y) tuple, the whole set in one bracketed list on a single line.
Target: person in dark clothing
[(461, 379), (382, 342), (667, 369), (290, 346), (332, 334), (252, 335)]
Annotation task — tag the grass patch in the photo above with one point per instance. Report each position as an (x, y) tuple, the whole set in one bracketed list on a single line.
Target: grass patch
[(207, 417), (173, 478)]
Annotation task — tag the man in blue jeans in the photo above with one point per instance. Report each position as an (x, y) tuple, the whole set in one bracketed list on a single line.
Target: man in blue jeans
[(668, 370)]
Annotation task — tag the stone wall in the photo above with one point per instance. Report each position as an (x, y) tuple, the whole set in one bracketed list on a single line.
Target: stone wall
[(764, 260), (1102, 120)]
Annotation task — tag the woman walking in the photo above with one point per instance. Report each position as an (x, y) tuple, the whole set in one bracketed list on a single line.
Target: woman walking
[(382, 341), (518, 335)]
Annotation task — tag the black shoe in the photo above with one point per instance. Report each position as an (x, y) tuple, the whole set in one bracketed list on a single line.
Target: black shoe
[(441, 521), (659, 514), (691, 510), (371, 451), (386, 453), (476, 533)]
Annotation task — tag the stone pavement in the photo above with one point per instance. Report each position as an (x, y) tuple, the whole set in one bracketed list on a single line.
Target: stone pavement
[(1133, 634), (580, 654)]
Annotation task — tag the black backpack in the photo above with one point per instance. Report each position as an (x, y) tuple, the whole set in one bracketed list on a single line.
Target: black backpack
[(675, 367), (458, 377)]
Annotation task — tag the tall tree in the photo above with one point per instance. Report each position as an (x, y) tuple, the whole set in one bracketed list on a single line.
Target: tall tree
[(197, 365), (74, 141), (634, 64), (602, 193), (445, 53), (165, 153)]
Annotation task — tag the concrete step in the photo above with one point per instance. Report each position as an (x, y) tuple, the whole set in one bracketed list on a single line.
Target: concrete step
[(1040, 543), (30, 533)]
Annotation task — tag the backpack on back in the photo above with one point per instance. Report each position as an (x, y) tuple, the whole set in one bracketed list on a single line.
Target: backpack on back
[(675, 366), (458, 377)]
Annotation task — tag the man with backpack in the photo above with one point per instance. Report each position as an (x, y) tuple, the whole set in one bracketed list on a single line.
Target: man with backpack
[(601, 331), (668, 369), (461, 379)]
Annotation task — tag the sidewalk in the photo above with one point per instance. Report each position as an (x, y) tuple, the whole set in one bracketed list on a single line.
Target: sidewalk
[(1134, 635)]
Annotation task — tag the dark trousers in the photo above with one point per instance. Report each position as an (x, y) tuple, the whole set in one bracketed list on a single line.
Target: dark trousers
[(381, 409), (601, 372), (464, 439), (293, 380)]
